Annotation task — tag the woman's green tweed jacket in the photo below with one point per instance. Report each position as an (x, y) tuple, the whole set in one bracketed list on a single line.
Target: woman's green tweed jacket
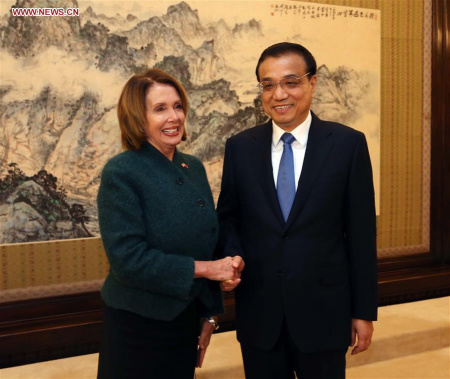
[(156, 217)]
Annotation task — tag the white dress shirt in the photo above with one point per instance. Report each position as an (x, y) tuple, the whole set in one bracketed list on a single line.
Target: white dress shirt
[(298, 147)]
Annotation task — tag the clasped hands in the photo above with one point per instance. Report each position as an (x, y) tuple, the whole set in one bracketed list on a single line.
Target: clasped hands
[(238, 264), (227, 271)]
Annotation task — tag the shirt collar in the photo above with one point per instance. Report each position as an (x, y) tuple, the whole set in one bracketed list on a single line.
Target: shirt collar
[(300, 132)]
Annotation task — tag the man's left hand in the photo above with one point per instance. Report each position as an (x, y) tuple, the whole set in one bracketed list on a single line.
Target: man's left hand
[(361, 330)]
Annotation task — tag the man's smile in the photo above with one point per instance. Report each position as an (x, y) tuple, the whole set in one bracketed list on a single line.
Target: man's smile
[(282, 108)]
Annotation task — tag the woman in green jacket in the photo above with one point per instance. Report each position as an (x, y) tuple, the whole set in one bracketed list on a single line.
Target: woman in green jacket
[(159, 229)]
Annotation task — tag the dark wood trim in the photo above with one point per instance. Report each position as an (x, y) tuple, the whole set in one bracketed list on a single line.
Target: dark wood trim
[(44, 308), (440, 118), (51, 328), (413, 284), (226, 321), (405, 262), (440, 134)]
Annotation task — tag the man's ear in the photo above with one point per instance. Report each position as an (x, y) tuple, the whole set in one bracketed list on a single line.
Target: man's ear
[(313, 83)]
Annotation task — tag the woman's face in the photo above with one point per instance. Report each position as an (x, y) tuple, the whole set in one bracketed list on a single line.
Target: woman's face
[(165, 118)]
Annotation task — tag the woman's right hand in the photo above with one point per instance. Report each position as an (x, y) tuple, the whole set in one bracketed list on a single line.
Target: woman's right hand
[(220, 270), (230, 285)]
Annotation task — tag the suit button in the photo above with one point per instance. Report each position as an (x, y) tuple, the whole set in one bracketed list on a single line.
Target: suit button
[(285, 236), (180, 180), (213, 231), (201, 203)]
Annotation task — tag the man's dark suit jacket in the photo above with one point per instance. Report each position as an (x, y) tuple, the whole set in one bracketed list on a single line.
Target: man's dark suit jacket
[(317, 270)]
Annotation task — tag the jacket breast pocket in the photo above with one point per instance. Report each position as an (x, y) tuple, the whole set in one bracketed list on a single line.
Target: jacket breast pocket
[(331, 179)]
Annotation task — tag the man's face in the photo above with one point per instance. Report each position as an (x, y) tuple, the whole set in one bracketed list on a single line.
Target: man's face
[(288, 107)]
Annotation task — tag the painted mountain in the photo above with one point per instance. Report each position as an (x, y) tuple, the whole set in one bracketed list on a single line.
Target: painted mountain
[(61, 78)]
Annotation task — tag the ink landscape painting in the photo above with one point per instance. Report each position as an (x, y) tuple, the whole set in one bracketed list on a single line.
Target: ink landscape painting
[(61, 78)]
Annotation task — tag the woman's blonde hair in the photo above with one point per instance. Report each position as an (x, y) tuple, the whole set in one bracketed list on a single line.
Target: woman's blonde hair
[(131, 108)]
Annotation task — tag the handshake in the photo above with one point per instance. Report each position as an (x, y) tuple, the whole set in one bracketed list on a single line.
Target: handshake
[(227, 271), (237, 264)]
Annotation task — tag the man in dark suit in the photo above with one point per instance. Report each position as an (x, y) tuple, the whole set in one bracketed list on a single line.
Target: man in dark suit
[(297, 204)]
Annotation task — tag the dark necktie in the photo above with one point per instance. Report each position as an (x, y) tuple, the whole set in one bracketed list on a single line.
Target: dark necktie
[(286, 176)]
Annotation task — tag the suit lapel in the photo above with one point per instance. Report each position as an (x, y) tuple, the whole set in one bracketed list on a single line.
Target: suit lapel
[(263, 161), (317, 150)]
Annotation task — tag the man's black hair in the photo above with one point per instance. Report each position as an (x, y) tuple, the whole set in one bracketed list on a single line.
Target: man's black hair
[(285, 48)]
